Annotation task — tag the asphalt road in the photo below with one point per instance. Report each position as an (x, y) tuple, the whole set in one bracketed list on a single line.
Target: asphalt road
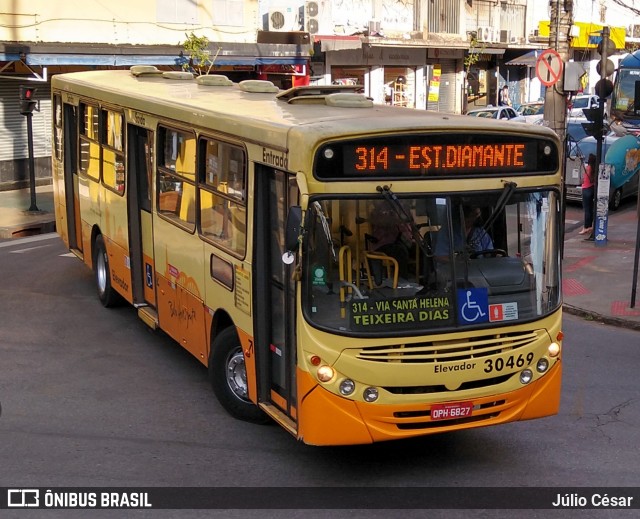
[(92, 397)]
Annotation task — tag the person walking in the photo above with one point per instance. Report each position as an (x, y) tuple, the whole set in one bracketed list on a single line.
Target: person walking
[(587, 194)]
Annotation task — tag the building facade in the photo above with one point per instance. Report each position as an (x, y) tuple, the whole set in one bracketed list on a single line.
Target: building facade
[(443, 55)]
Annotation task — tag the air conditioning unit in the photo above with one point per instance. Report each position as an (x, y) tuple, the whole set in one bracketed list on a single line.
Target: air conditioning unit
[(283, 19), (317, 17), (485, 33), (505, 37)]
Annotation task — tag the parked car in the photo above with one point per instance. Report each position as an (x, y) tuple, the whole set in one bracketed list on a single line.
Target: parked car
[(575, 130), (583, 101), (494, 112), (531, 112), (575, 164)]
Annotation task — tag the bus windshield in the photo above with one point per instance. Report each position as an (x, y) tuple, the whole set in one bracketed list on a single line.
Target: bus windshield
[(414, 264), (622, 101)]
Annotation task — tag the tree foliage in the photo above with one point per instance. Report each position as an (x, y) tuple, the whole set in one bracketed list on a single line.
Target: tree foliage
[(199, 57)]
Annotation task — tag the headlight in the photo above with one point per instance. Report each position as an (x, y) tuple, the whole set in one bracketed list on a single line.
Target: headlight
[(325, 373), (542, 365), (347, 386), (526, 375), (370, 394)]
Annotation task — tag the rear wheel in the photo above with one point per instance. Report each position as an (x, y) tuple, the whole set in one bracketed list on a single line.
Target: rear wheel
[(107, 295), (228, 376)]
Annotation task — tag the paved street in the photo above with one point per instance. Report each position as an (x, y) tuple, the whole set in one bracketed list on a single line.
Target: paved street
[(91, 397)]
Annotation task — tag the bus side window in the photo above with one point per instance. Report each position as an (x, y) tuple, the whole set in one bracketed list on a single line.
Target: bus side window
[(176, 177), (222, 177)]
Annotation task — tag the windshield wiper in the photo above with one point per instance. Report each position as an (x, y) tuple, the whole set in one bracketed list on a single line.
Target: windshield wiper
[(507, 192), (326, 229), (405, 217)]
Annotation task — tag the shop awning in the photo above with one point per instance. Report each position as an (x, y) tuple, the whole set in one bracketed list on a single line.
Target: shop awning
[(529, 59), (48, 60), (253, 54)]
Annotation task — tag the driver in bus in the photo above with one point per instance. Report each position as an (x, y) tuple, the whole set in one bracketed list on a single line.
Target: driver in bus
[(477, 237), (469, 233)]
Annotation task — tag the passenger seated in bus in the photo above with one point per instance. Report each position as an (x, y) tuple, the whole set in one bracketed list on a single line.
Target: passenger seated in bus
[(390, 236)]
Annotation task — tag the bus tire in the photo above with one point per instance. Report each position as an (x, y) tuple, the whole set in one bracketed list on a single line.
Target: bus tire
[(228, 377), (106, 293)]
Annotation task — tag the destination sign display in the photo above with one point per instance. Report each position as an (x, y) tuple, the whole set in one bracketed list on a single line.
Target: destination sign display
[(401, 313), (436, 156)]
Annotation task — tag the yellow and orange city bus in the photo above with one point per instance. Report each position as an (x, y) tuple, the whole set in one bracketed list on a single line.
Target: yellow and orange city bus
[(354, 272)]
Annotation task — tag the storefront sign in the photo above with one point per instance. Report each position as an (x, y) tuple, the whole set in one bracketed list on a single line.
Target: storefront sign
[(445, 53), (434, 84)]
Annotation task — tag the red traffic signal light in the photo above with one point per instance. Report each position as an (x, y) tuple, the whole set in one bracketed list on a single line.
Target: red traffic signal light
[(27, 102), (27, 93)]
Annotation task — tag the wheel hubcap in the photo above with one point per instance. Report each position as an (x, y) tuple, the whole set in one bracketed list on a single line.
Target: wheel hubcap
[(237, 375), (101, 271)]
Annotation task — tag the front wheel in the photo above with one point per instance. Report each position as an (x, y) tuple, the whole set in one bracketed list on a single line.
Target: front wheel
[(108, 296), (228, 376)]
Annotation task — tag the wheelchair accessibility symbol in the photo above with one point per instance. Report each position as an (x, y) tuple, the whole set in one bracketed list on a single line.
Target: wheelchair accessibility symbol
[(473, 305)]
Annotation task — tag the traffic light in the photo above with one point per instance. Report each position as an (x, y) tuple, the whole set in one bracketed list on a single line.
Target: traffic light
[(595, 125), (27, 100), (605, 67)]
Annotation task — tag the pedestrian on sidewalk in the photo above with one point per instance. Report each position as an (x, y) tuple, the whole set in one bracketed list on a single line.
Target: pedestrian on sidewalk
[(587, 194), (503, 98)]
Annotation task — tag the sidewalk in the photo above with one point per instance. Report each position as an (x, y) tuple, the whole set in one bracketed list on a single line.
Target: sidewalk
[(16, 221), (597, 281)]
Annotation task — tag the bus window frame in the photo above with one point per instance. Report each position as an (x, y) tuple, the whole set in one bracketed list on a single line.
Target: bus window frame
[(103, 121), (210, 188), (58, 140), (162, 171), (84, 138)]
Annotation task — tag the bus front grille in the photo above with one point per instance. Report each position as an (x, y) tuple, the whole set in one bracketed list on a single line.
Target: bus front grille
[(450, 350)]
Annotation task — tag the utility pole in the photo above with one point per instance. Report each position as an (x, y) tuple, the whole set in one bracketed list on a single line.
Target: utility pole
[(555, 103)]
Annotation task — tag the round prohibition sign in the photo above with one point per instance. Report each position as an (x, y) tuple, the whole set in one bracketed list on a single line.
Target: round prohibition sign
[(549, 67)]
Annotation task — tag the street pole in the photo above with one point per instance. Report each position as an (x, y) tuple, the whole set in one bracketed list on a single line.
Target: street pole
[(604, 87), (555, 103), (32, 166)]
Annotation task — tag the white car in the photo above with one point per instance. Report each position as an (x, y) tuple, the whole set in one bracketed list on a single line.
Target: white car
[(495, 112), (583, 101), (531, 112)]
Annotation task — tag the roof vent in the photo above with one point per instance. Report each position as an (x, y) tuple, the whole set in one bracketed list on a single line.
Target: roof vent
[(348, 100), (177, 75), (144, 70), (318, 90), (257, 85), (214, 80)]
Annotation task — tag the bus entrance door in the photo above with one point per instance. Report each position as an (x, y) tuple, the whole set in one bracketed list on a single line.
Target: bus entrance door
[(72, 188), (139, 169), (275, 308)]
